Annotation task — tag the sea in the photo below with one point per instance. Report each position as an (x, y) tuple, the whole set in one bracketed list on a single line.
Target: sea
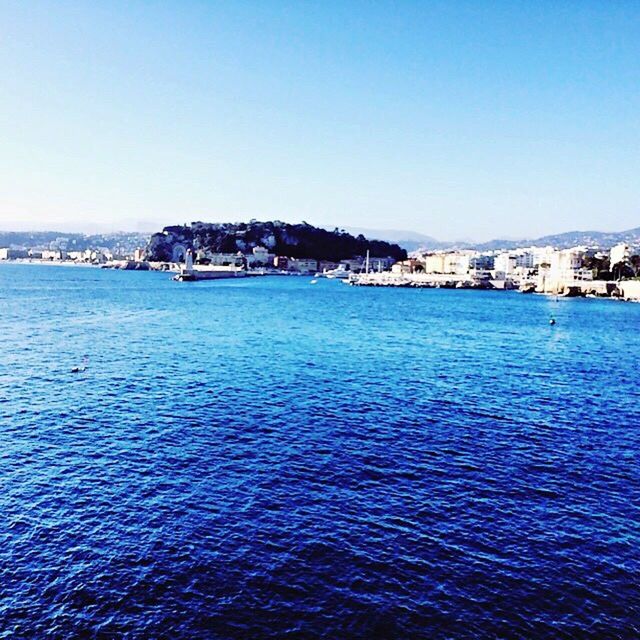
[(269, 458)]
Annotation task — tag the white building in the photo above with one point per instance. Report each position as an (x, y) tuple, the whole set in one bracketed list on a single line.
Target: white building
[(260, 257), (562, 268), (620, 253), (525, 259), (96, 256), (567, 264), (505, 265), (449, 262), (434, 263), (542, 256), (53, 254), (457, 262), (220, 259), (518, 261)]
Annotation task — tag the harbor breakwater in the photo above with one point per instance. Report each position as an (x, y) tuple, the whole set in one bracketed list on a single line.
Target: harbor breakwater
[(628, 290), (421, 280)]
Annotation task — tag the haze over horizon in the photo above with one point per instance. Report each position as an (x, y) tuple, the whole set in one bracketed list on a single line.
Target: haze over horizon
[(454, 120), (390, 235)]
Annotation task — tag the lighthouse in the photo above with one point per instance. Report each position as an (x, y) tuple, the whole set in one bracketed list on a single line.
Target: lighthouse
[(188, 261)]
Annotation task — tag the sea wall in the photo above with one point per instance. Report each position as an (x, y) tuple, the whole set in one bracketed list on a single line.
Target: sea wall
[(630, 289), (623, 289), (578, 288), (425, 280)]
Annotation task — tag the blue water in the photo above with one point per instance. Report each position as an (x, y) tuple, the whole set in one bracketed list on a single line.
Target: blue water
[(264, 458)]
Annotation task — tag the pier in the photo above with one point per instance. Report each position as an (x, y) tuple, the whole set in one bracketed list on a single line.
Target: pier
[(426, 281)]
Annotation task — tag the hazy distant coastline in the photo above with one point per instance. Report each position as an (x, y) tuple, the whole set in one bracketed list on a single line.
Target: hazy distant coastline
[(125, 242)]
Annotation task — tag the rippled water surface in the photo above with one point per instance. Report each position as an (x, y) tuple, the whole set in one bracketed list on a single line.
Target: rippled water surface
[(263, 458)]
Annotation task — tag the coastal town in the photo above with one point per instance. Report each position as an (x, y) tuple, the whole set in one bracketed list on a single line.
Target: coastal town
[(577, 271)]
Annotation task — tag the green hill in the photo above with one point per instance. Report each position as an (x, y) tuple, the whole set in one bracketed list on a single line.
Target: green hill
[(291, 240)]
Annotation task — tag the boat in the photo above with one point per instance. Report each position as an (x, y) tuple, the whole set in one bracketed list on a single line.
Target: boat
[(184, 277), (339, 273)]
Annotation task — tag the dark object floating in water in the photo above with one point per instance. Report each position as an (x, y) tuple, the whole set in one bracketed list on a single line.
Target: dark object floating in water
[(82, 367), (552, 321)]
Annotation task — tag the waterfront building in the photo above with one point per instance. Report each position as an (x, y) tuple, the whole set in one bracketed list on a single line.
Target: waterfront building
[(505, 265), (7, 253), (518, 265), (303, 265), (448, 262), (434, 263), (352, 264), (53, 254), (620, 253), (218, 259), (260, 257), (542, 256), (96, 256), (567, 264), (281, 263), (482, 262), (457, 262), (525, 259), (562, 268), (412, 265)]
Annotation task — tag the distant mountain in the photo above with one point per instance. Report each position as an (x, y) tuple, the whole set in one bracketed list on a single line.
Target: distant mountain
[(409, 240), (284, 239), (604, 239), (601, 239)]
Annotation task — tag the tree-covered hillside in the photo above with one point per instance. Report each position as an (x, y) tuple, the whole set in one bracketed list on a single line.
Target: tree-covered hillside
[(291, 240)]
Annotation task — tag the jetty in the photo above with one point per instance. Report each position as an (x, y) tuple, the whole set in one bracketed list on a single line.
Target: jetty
[(628, 290), (191, 273), (568, 288), (426, 281), (210, 273)]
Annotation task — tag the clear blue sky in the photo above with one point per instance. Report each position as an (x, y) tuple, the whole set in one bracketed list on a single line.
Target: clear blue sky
[(456, 119)]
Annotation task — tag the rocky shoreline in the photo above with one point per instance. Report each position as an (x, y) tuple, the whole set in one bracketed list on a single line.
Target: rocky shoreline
[(626, 290)]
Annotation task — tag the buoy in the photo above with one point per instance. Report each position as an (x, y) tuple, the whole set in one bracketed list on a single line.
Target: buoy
[(552, 321)]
